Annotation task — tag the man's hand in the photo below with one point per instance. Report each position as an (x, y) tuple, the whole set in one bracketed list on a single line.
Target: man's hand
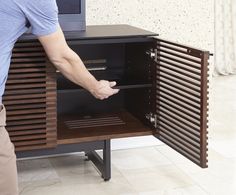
[(72, 67), (103, 90)]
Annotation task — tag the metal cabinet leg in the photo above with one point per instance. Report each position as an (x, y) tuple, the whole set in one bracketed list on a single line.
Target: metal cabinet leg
[(107, 160), (103, 164)]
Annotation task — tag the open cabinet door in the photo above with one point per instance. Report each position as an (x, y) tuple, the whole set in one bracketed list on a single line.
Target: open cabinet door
[(182, 98)]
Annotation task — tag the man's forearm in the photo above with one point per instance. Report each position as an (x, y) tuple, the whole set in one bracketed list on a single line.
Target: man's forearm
[(72, 67)]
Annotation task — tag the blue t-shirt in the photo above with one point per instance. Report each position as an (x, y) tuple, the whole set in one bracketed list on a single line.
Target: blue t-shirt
[(42, 15)]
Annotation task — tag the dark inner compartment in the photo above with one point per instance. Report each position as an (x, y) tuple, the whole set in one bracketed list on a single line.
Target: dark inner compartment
[(82, 117)]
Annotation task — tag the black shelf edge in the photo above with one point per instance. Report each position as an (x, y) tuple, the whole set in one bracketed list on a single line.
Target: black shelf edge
[(121, 87)]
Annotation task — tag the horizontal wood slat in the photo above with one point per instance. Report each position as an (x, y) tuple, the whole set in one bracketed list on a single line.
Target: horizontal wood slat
[(27, 75), (168, 94), (181, 119), (26, 91), (178, 77), (189, 50), (181, 99), (37, 53), (25, 101), (179, 56), (27, 96), (179, 107), (30, 98), (27, 70), (29, 60), (176, 85), (177, 61), (20, 81), (27, 44), (27, 49), (27, 132), (188, 145), (49, 144), (26, 111), (28, 137), (25, 117), (27, 127), (192, 119), (28, 65), (189, 69), (30, 143), (183, 94), (25, 86), (176, 146), (189, 74), (178, 49), (166, 124)]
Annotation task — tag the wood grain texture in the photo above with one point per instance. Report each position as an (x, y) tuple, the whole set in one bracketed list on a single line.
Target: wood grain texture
[(30, 98), (131, 126), (181, 99)]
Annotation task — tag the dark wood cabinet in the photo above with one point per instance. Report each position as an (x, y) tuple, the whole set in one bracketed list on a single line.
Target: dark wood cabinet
[(163, 92)]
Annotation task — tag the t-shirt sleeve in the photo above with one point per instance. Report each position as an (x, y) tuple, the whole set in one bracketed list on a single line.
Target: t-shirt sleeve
[(42, 16)]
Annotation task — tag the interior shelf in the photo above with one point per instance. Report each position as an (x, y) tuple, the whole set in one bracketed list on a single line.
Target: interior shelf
[(121, 87), (74, 129), (134, 86)]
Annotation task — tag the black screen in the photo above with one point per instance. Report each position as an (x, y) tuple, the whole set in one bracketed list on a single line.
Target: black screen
[(69, 6)]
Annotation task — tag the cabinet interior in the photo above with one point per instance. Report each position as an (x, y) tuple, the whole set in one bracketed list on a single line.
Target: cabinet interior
[(81, 117)]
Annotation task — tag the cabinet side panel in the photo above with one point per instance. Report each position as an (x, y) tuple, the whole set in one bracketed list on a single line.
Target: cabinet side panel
[(138, 67), (181, 99), (30, 99)]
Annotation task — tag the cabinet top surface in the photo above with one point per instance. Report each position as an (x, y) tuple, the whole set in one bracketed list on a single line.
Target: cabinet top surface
[(102, 32)]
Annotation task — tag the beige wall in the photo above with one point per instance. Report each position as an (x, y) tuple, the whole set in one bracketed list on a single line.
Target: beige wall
[(186, 21)]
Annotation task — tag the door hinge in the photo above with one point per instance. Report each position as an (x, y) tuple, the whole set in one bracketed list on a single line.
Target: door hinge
[(152, 118), (152, 53)]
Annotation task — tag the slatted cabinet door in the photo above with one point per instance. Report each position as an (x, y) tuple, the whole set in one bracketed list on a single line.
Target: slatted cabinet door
[(181, 99), (30, 98)]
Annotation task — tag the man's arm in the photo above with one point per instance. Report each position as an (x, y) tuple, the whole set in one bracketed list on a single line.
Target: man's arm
[(71, 66)]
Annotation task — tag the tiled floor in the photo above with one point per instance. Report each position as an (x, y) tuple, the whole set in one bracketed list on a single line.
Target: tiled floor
[(155, 170)]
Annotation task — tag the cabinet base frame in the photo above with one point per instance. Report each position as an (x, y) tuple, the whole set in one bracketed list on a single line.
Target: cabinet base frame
[(102, 164)]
